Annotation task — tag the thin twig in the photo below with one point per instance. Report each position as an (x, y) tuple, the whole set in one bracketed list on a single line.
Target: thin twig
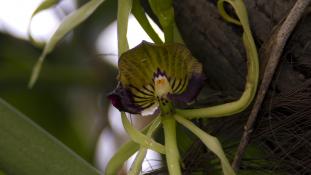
[(277, 43)]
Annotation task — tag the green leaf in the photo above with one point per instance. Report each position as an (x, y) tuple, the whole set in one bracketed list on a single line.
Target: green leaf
[(43, 6), (26, 149), (1, 173), (69, 23)]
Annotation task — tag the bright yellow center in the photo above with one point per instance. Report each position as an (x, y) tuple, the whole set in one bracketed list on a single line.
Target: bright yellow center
[(162, 86)]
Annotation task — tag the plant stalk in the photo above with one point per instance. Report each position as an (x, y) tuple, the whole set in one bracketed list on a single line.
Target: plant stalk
[(171, 149)]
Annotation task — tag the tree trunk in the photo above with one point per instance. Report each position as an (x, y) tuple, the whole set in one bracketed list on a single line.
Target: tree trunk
[(283, 129)]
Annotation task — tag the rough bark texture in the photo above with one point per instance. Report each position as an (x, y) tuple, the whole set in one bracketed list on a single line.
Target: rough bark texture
[(283, 130)]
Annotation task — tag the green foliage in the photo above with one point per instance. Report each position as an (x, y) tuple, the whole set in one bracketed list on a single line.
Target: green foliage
[(1, 173), (43, 6), (68, 24), (27, 149)]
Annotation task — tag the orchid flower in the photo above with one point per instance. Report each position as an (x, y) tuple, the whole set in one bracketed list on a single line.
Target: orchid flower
[(154, 79), (152, 75)]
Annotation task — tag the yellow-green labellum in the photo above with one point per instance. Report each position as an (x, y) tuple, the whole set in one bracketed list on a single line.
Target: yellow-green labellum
[(150, 73)]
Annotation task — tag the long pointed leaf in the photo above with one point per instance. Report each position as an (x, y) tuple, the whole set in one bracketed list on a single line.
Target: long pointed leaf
[(69, 23), (26, 149), (43, 6)]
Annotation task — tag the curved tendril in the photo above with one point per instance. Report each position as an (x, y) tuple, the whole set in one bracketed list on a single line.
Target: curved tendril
[(139, 137), (70, 22), (210, 142), (252, 66), (136, 166)]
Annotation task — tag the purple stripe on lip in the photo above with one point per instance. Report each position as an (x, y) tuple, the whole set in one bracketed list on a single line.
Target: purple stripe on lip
[(122, 99), (158, 72), (195, 85)]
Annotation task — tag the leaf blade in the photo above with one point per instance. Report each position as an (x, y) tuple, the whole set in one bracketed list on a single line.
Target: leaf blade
[(25, 148), (43, 6), (69, 23)]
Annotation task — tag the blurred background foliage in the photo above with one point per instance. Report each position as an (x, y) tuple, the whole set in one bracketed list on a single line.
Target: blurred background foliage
[(69, 99)]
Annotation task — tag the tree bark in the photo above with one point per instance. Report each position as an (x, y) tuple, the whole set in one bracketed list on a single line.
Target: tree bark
[(218, 46)]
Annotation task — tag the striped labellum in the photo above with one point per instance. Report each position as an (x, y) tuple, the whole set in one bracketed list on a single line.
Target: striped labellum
[(150, 74)]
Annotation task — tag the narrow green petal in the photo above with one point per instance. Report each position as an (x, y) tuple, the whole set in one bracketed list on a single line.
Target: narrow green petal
[(140, 138), (123, 154), (210, 142), (137, 164), (118, 159), (69, 23), (124, 10), (164, 10), (251, 84), (140, 15), (43, 6)]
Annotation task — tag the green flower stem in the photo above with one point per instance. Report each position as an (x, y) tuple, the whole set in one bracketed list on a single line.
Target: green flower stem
[(136, 166), (172, 154), (231, 108), (124, 10), (140, 15), (140, 138), (210, 142)]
